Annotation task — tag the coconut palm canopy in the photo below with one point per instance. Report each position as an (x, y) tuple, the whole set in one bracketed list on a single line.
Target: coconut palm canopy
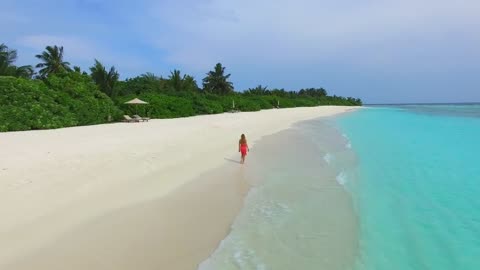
[(136, 101), (53, 62)]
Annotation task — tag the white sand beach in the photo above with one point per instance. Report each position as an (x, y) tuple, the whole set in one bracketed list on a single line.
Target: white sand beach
[(125, 195)]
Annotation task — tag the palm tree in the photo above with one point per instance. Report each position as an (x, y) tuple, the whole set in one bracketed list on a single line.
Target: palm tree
[(216, 82), (105, 80), (182, 83), (7, 68), (53, 62), (78, 70), (7, 58), (190, 84), (24, 71), (259, 90), (176, 80), (150, 76)]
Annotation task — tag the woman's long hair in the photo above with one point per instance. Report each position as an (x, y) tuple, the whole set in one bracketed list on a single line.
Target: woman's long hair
[(243, 140)]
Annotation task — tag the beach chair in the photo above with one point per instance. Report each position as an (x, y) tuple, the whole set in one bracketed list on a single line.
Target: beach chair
[(128, 119), (139, 118)]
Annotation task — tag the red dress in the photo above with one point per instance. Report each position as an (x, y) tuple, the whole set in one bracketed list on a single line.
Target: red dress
[(243, 149)]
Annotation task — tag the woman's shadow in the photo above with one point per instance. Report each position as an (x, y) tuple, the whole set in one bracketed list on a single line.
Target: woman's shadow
[(232, 160)]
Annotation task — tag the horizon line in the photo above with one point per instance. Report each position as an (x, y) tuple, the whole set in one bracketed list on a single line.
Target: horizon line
[(424, 103)]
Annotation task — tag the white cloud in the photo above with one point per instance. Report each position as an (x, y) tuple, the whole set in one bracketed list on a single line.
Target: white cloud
[(197, 33)]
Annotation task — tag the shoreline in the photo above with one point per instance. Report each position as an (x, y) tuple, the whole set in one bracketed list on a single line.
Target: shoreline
[(297, 213), (100, 194)]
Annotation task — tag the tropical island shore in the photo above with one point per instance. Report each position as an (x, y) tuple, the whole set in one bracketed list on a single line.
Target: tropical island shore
[(55, 181)]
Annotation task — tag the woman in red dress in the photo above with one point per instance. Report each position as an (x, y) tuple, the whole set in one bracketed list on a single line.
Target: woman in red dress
[(243, 147)]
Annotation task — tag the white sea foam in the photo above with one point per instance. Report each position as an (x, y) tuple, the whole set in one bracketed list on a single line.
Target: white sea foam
[(235, 253), (233, 250), (270, 210), (328, 158), (342, 178), (247, 259), (348, 144)]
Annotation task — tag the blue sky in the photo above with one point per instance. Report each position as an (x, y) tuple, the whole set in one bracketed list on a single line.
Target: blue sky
[(381, 51)]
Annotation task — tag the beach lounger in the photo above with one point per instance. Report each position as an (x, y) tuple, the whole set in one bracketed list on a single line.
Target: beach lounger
[(128, 119), (139, 118)]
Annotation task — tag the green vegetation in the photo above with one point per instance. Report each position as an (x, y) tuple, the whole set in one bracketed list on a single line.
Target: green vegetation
[(59, 96), (65, 100), (7, 67), (52, 62), (105, 80), (216, 82)]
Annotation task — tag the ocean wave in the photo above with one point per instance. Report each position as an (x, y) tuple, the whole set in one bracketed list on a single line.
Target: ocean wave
[(348, 144), (234, 253), (342, 178), (270, 210), (247, 259), (328, 158)]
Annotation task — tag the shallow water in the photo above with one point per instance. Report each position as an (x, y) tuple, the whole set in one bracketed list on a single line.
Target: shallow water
[(417, 186), (381, 188), (296, 216)]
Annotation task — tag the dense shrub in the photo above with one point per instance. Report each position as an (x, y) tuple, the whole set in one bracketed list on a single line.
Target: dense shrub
[(203, 105), (71, 99), (160, 106), (58, 102), (164, 106), (84, 99), (27, 104)]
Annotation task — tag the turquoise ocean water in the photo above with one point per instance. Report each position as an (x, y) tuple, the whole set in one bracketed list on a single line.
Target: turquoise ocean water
[(382, 188), (417, 192)]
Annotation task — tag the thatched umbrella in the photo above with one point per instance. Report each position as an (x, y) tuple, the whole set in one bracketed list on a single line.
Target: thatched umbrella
[(136, 102)]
